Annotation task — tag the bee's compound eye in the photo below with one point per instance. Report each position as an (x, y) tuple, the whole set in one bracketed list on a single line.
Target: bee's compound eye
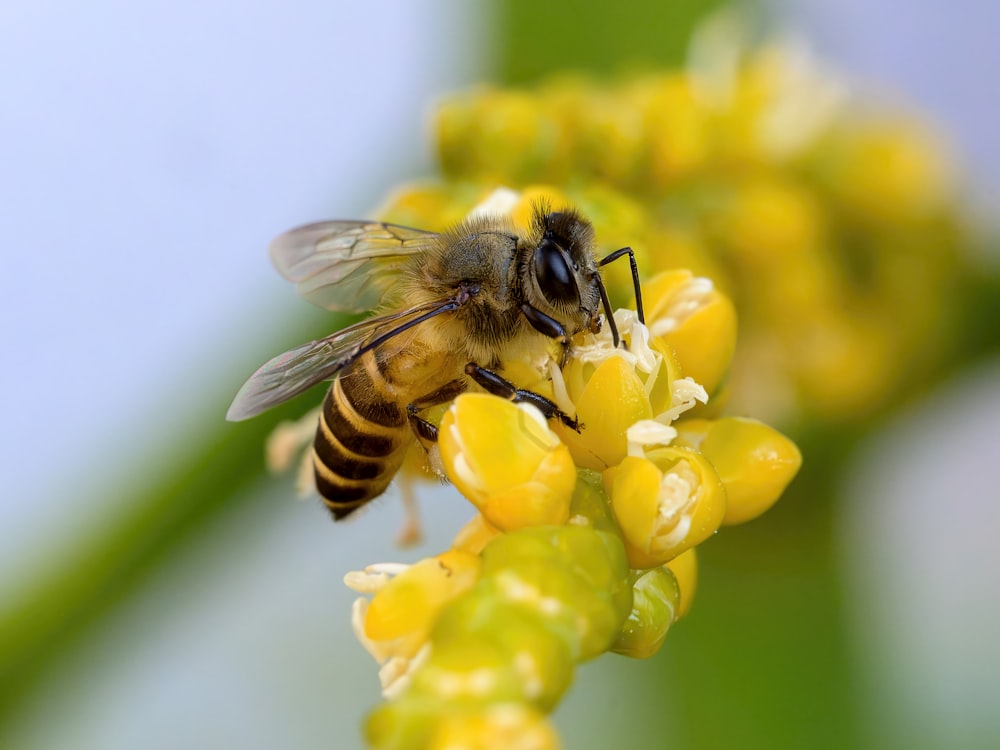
[(552, 270)]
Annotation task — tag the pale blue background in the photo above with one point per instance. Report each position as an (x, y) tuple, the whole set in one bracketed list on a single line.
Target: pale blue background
[(148, 152)]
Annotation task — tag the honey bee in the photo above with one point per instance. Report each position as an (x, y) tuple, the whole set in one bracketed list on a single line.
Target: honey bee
[(451, 308)]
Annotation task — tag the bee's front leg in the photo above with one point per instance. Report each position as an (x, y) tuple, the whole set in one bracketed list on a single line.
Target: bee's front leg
[(500, 386), (550, 327), (427, 432)]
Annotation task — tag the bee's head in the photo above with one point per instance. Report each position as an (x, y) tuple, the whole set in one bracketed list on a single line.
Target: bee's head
[(562, 267)]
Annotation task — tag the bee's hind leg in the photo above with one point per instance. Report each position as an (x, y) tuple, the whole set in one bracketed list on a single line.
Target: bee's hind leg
[(426, 431), (412, 531), (500, 386)]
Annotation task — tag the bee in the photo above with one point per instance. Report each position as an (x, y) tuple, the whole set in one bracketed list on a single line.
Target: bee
[(450, 307)]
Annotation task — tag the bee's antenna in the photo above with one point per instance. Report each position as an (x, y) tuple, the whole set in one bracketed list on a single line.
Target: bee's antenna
[(607, 309), (635, 276)]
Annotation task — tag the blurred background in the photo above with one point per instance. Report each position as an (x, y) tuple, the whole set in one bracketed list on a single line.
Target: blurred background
[(158, 589)]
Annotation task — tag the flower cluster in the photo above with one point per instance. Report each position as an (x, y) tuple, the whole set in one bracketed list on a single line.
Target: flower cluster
[(760, 171), (831, 230), (585, 539)]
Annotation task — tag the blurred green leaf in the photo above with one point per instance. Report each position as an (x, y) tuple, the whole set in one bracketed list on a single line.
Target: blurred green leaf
[(593, 37)]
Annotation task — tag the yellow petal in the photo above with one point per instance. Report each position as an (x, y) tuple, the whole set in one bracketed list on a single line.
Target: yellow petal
[(506, 461), (408, 604), (475, 535), (697, 321), (634, 490), (530, 504), (612, 400), (685, 570), (498, 727), (755, 463), (665, 503)]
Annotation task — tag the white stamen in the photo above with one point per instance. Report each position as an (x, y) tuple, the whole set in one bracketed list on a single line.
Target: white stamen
[(600, 346), (685, 393), (373, 577), (389, 568), (559, 392), (677, 494), (646, 433), (397, 673)]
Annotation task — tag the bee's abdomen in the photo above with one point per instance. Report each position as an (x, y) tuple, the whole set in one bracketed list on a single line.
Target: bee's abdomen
[(360, 442)]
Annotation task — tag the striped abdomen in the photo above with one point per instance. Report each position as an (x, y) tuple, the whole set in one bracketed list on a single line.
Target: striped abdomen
[(361, 440)]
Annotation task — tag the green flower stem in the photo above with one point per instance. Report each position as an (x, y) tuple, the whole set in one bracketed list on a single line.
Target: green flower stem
[(548, 596)]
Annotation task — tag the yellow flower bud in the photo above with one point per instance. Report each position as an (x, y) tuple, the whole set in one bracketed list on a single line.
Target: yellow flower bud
[(675, 129), (685, 570), (665, 503), (888, 169), (771, 222), (504, 458), (612, 142), (468, 670), (696, 320), (499, 727), (475, 535), (602, 441), (655, 598), (529, 660), (755, 463), (499, 136), (408, 604)]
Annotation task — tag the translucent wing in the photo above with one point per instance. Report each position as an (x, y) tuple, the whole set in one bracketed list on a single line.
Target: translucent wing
[(295, 371), (346, 265)]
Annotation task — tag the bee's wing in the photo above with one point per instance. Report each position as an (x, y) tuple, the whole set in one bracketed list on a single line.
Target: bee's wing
[(295, 371), (346, 265)]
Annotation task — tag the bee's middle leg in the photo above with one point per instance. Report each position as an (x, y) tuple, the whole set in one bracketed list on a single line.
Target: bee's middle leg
[(425, 431), (500, 386)]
